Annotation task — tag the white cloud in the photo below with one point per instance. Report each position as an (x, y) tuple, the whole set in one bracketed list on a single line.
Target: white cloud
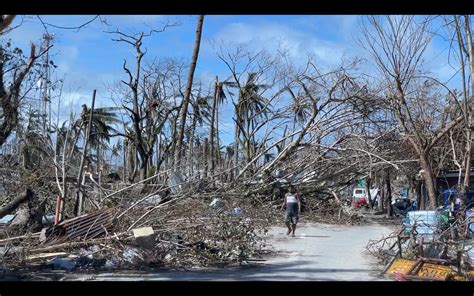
[(67, 56), (206, 77), (73, 98), (135, 19), (69, 52), (272, 36)]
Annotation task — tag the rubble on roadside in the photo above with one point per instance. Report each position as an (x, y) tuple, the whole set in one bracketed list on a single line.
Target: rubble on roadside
[(175, 226), (429, 245), (186, 233)]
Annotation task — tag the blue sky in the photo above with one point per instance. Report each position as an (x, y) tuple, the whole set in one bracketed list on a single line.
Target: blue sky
[(91, 60)]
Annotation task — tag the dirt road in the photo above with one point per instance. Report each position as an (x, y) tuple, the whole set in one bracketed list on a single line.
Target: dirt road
[(318, 252)]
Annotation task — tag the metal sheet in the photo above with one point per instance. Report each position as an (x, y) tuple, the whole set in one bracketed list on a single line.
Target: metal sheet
[(83, 227)]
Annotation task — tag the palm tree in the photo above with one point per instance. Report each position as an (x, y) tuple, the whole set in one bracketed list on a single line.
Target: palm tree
[(201, 113), (115, 152), (251, 106), (130, 154), (102, 128), (95, 124), (103, 121), (35, 145), (300, 109), (219, 98)]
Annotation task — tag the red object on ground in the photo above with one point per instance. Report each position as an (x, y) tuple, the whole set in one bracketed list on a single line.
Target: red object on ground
[(400, 277), (58, 209), (361, 201)]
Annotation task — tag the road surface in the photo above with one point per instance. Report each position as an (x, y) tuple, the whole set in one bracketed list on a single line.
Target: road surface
[(318, 253)]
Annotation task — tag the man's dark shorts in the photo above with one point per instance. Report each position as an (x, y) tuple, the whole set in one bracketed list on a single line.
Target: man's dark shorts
[(292, 213)]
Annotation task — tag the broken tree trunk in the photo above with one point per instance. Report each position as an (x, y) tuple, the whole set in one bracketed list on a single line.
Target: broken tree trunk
[(14, 204), (343, 208)]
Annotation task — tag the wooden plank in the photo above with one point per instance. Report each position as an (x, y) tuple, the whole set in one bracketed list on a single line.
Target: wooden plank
[(46, 255)]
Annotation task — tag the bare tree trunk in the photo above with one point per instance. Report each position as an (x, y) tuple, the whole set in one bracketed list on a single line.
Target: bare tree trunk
[(13, 205), (198, 157), (99, 169), (236, 149), (205, 157), (381, 194), (184, 106), (191, 144), (419, 199), (64, 184), (174, 129), (389, 193), (213, 123), (143, 168), (470, 49), (124, 158), (429, 182), (80, 177), (218, 141), (158, 153), (190, 158), (367, 187), (228, 163)]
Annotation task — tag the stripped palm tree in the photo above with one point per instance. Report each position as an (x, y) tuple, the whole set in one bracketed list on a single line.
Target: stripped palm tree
[(219, 98), (201, 114), (103, 121), (300, 108), (101, 130), (35, 144), (249, 109)]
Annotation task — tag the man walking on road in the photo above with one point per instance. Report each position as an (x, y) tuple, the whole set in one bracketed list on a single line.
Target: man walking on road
[(293, 209)]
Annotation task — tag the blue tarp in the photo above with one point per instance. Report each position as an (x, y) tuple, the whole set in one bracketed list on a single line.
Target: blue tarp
[(447, 194), (424, 222)]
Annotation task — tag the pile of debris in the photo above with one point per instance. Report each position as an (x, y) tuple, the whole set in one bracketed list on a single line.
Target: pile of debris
[(332, 211), (317, 205), (428, 246), (180, 233), (187, 224)]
